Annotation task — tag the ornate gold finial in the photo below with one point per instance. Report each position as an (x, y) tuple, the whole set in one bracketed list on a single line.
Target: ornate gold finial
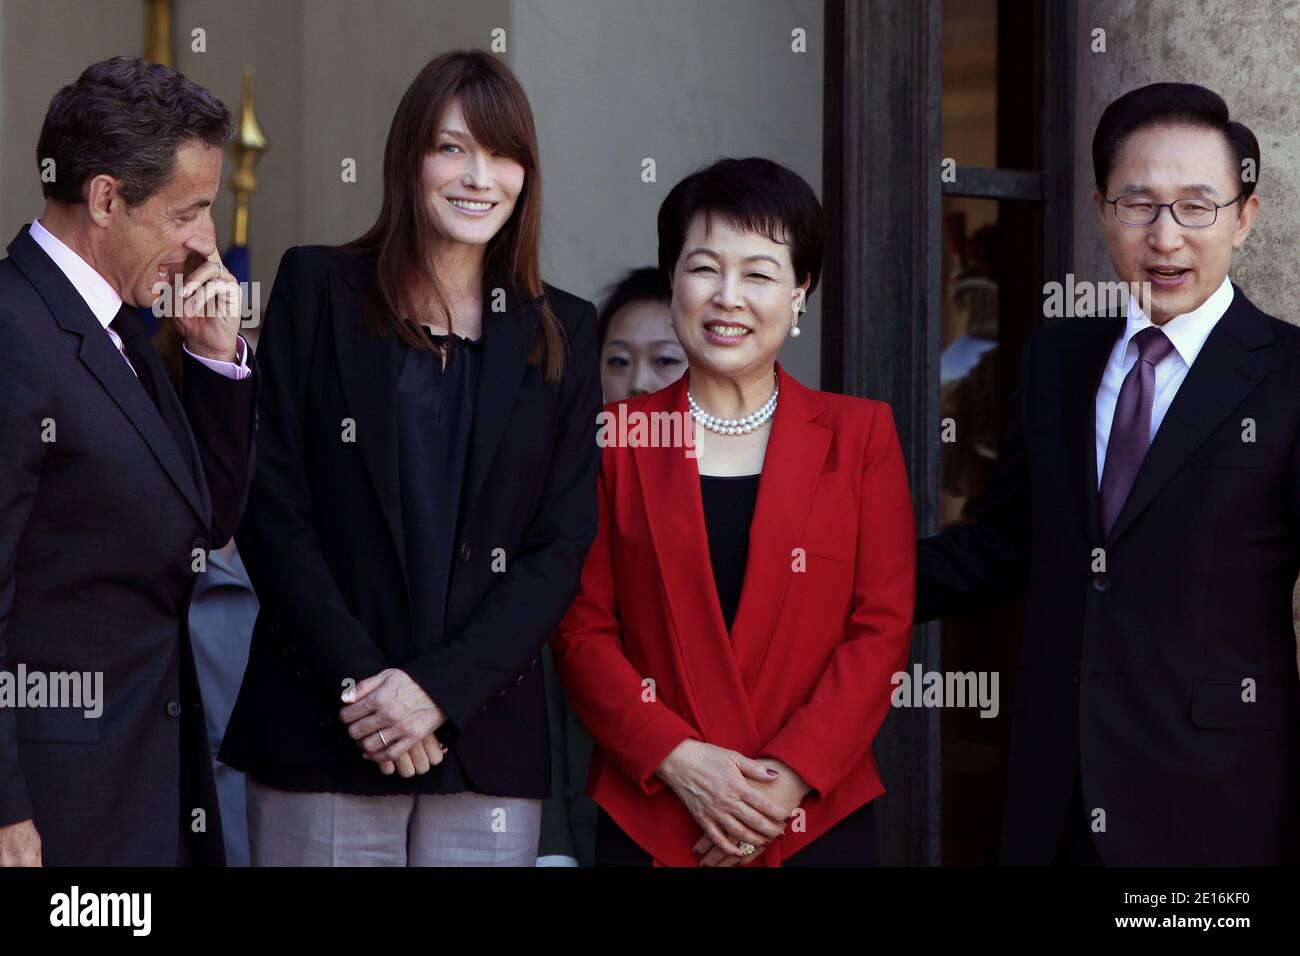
[(158, 31), (248, 146)]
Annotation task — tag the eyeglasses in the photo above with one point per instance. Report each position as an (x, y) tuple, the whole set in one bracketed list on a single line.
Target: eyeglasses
[(1191, 213)]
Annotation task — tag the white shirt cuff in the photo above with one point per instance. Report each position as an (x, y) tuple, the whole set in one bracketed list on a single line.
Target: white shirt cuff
[(556, 860), (237, 371)]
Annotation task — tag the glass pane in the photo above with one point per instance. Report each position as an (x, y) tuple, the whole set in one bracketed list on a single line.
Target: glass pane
[(990, 304), (990, 104), (969, 103)]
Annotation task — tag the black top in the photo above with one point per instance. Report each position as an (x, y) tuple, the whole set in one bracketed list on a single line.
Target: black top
[(728, 510), (435, 409)]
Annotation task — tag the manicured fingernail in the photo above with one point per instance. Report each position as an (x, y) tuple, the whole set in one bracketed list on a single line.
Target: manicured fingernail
[(771, 772)]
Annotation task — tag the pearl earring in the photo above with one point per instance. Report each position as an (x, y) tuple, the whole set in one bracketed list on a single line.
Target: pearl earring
[(795, 331)]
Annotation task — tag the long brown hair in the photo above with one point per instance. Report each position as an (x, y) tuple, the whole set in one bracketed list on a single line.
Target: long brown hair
[(405, 236)]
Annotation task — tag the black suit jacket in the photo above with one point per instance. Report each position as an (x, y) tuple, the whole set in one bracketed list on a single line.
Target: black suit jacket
[(1139, 671), (323, 538), (99, 521)]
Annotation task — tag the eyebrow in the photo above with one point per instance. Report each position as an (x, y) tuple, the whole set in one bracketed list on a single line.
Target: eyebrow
[(455, 132), (627, 345), (710, 252), (196, 205), (1203, 188)]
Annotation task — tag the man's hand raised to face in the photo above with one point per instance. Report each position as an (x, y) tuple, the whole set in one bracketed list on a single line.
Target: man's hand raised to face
[(208, 313)]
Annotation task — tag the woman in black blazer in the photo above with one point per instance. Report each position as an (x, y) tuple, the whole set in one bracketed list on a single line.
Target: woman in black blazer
[(424, 499)]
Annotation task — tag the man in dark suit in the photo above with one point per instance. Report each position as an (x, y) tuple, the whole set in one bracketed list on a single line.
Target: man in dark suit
[(112, 488), (1149, 500)]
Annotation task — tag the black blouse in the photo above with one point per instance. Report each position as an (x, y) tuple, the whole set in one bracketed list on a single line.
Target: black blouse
[(435, 409), (728, 510)]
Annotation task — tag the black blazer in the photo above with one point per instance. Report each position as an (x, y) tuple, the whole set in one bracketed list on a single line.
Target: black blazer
[(1135, 673), (323, 535), (97, 530)]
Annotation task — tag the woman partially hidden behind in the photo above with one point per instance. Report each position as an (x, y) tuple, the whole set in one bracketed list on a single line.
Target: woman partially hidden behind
[(734, 706), (424, 499)]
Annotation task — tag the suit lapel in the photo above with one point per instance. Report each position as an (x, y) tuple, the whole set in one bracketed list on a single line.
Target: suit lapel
[(674, 509), (106, 364), (369, 367), (792, 465), (1081, 378), (1232, 362)]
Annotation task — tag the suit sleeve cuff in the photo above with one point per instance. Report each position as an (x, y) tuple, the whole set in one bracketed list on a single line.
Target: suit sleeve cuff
[(791, 751), (653, 741), (233, 370), (15, 805)]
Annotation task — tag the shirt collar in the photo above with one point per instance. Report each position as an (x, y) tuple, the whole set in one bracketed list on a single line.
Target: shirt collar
[(104, 302), (1188, 331)]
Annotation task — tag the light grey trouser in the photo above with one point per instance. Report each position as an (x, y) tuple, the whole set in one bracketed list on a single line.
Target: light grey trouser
[(338, 829)]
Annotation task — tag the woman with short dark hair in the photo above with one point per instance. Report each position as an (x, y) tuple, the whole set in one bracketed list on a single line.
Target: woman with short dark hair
[(734, 706)]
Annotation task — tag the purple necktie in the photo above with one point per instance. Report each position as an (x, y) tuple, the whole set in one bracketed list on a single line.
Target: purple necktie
[(1130, 431)]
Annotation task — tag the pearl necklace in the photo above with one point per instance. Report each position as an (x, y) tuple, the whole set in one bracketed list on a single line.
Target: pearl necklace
[(736, 426)]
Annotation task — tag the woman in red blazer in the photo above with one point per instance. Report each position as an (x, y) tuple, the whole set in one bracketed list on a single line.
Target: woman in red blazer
[(734, 704)]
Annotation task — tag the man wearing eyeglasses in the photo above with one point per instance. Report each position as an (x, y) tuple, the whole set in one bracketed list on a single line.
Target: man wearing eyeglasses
[(1147, 500)]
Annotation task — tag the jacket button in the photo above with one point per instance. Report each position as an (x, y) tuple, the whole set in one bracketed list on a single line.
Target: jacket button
[(173, 708), (464, 551), (200, 543), (1100, 583)]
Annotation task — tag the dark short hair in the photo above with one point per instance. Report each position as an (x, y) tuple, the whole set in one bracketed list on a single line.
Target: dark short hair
[(126, 117), (1170, 104), (639, 285), (753, 194)]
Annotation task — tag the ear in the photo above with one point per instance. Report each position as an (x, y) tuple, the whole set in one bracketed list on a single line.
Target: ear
[(1245, 220), (102, 199), (1101, 205)]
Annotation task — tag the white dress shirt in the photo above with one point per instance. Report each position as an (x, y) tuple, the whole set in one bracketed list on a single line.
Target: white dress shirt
[(1187, 332), (105, 303)]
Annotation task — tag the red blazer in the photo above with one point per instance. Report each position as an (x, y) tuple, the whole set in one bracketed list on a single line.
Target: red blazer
[(824, 621)]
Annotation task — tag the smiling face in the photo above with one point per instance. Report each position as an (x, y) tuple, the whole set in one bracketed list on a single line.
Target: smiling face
[(641, 353), (470, 189), (733, 294), (1183, 265), (150, 243)]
